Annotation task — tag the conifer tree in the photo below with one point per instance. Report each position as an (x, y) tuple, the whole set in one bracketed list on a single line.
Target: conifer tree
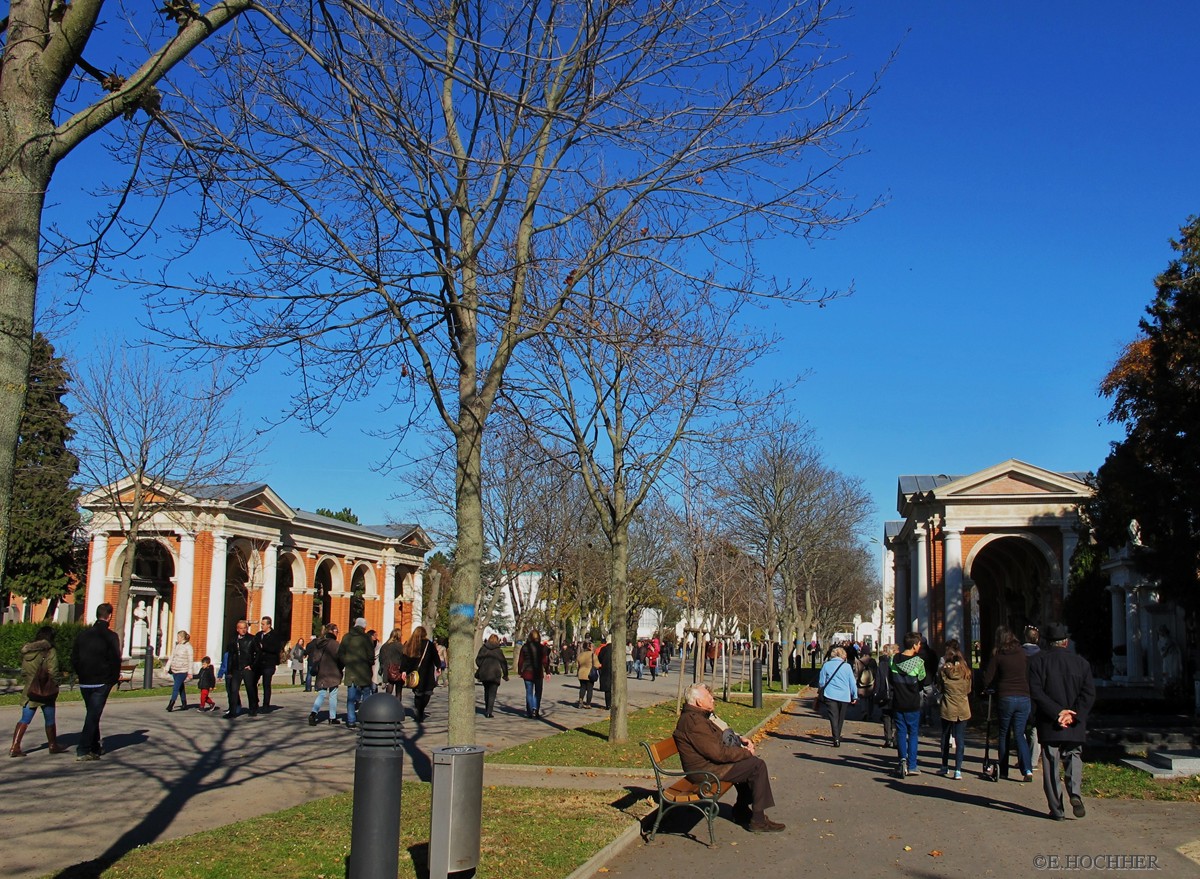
[(41, 548)]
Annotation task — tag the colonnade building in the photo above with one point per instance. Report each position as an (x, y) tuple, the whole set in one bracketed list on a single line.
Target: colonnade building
[(211, 555)]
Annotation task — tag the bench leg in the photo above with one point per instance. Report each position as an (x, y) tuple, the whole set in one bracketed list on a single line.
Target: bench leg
[(657, 820), (710, 814)]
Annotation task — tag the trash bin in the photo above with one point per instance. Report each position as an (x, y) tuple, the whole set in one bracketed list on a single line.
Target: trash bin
[(454, 821)]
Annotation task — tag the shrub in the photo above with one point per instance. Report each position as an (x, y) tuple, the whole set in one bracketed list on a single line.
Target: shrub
[(15, 635)]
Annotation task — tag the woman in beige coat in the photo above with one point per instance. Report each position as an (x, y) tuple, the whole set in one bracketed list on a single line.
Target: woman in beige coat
[(587, 672), (954, 680)]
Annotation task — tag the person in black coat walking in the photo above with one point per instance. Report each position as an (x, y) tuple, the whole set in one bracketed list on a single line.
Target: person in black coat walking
[(491, 666), (96, 658), (1063, 691)]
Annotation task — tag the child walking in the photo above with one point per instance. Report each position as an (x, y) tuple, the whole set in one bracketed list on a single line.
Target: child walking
[(206, 680)]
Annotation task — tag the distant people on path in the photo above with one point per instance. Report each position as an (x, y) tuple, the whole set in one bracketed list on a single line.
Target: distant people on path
[(883, 694), (421, 664), (955, 683), (652, 661), (1032, 646), (587, 673), (356, 656), (907, 676), (1008, 674), (96, 658), (1063, 690), (326, 672), (837, 686), (533, 664), (40, 676), (270, 648), (180, 668), (814, 650), (628, 658), (296, 664), (710, 656), (639, 658), (391, 664), (491, 667), (206, 682), (239, 666), (702, 749), (604, 659)]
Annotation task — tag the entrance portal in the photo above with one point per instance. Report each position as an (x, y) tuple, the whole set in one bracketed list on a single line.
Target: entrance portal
[(1012, 577)]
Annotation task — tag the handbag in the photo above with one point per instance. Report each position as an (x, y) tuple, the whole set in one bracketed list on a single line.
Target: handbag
[(593, 675), (414, 676), (43, 688), (395, 673)]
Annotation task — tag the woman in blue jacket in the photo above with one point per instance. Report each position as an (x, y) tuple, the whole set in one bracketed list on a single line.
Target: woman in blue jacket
[(839, 690)]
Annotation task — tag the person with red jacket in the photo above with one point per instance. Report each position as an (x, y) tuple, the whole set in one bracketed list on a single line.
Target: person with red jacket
[(533, 665)]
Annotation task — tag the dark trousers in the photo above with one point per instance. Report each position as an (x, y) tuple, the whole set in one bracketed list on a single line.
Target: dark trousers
[(753, 784), (421, 702), (265, 675), (234, 678), (586, 688), (837, 717), (489, 697), (94, 699)]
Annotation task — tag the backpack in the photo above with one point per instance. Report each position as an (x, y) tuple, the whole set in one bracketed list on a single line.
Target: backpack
[(866, 677)]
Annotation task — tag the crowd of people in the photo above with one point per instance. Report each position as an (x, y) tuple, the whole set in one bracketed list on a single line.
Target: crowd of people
[(1041, 693)]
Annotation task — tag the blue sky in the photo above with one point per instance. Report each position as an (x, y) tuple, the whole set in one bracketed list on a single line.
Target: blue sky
[(1035, 159)]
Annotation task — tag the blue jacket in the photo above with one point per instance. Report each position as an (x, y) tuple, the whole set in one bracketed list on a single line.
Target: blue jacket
[(837, 681)]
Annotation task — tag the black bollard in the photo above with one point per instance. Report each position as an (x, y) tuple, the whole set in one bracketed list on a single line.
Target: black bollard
[(756, 683), (378, 766)]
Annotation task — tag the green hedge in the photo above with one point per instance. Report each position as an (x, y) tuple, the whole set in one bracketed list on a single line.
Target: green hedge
[(15, 635)]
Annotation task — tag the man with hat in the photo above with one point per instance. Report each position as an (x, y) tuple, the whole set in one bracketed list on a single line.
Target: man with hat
[(1061, 685)]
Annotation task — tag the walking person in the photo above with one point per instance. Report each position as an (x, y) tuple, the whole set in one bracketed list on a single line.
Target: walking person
[(604, 662), (356, 656), (837, 686), (39, 672), (955, 679), (1008, 673), (206, 682), (587, 673), (180, 667), (296, 664), (391, 664), (883, 694), (420, 669), (1031, 645), (907, 674), (96, 658), (866, 669), (270, 648), (238, 667), (326, 672), (1063, 689), (533, 665), (491, 667)]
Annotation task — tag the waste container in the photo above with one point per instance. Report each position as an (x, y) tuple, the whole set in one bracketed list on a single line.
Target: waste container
[(454, 822)]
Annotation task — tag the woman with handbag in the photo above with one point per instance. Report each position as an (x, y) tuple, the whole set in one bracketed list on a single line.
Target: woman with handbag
[(39, 669), (391, 664), (588, 673), (296, 664), (491, 666), (839, 691), (421, 664), (180, 668)]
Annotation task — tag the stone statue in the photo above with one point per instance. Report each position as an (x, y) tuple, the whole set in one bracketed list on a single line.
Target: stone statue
[(140, 627), (1172, 661), (1135, 532)]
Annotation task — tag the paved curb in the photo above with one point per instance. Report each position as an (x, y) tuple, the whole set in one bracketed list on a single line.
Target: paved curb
[(633, 832)]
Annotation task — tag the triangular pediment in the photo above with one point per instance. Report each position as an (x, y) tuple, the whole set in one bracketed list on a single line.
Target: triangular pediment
[(1013, 478), (264, 501)]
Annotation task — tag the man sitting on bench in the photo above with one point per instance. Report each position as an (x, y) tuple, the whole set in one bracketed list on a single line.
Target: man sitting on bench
[(698, 739)]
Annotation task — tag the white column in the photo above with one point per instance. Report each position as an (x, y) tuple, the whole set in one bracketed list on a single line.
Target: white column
[(418, 597), (887, 596), (98, 565), (270, 572), (185, 579), (389, 598), (1070, 540), (214, 641), (903, 603), (1135, 660), (920, 574), (952, 565)]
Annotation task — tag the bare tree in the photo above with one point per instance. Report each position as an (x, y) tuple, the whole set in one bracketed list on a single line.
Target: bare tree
[(53, 100), (147, 436), (436, 190)]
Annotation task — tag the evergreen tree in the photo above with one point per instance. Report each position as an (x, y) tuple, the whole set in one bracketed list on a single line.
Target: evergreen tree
[(345, 514), (42, 552)]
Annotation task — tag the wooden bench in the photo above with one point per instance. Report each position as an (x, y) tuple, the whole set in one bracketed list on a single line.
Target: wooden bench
[(126, 675), (703, 795)]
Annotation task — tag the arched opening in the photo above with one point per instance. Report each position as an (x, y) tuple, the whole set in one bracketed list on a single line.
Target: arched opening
[(240, 564), (322, 603), (285, 580), (151, 595), (1012, 579), (358, 592)]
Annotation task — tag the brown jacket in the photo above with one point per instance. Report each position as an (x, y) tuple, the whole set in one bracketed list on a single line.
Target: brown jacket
[(699, 742), (956, 691)]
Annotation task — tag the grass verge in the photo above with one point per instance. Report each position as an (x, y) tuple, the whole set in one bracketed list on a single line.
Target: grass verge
[(520, 836), (1112, 781), (588, 746)]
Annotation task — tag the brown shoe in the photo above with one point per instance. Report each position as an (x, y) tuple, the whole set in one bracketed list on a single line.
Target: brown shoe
[(766, 825)]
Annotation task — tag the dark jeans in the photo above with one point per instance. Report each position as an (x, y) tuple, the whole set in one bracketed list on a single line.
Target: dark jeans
[(958, 729), (234, 678), (94, 699), (533, 696), (265, 675), (837, 717), (489, 697), (1014, 714), (177, 691), (907, 737), (586, 688), (421, 702)]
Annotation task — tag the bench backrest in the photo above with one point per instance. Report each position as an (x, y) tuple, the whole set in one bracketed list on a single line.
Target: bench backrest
[(662, 751)]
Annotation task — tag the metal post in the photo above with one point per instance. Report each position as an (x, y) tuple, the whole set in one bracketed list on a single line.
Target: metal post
[(378, 767), (756, 683), (148, 659)]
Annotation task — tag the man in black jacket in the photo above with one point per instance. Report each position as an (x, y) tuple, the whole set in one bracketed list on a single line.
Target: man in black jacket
[(96, 658), (239, 665), (1063, 691), (270, 645)]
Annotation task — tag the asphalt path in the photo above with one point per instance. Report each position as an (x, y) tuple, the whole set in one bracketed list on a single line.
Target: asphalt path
[(166, 775), (846, 815)]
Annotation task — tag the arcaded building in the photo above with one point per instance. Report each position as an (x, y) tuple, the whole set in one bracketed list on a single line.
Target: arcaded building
[(212, 555)]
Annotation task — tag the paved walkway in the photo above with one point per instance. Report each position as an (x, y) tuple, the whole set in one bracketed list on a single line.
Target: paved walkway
[(846, 815), (168, 775)]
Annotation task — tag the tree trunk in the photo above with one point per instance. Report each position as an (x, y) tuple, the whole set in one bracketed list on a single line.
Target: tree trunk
[(618, 584), (468, 570)]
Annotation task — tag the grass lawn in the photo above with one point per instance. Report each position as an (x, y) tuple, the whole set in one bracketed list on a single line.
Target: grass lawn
[(588, 746), (521, 836), (1112, 781)]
